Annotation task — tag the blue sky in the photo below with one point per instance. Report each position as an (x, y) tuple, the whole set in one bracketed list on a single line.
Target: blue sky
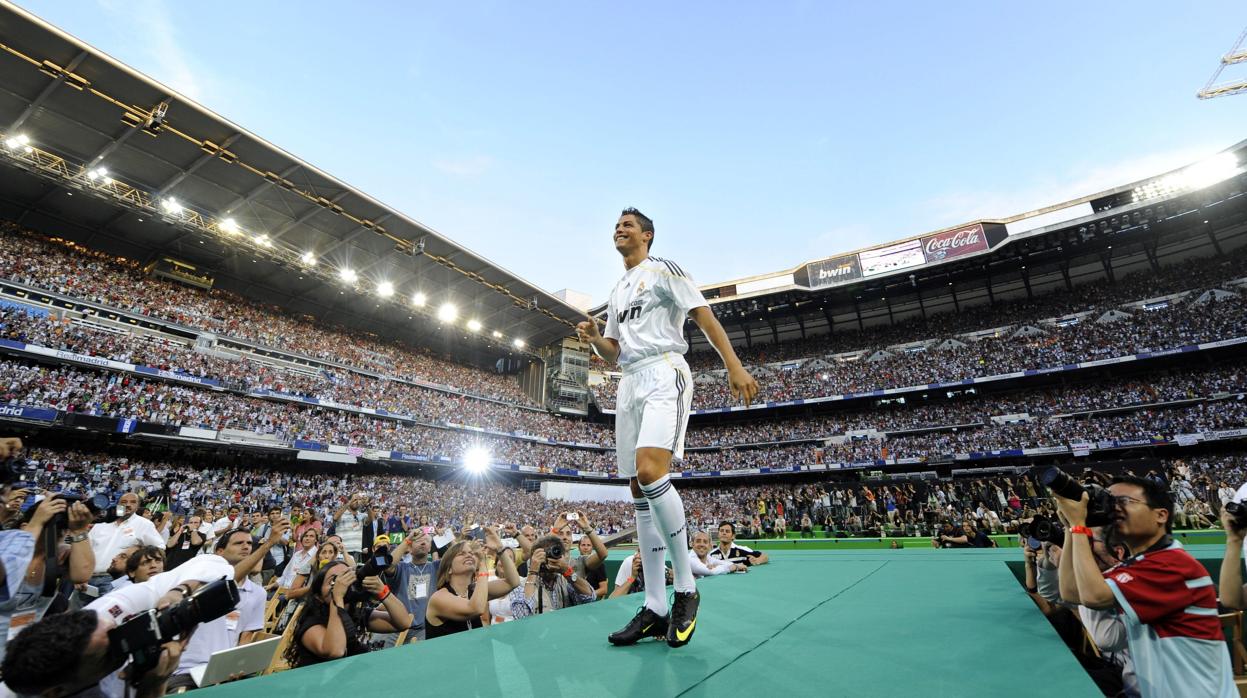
[(757, 135)]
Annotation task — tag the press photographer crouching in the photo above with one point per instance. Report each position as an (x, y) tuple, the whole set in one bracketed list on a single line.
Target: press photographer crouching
[(1164, 598), (344, 604), (143, 627)]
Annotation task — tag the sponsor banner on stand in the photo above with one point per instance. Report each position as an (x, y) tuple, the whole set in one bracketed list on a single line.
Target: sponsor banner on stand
[(39, 414), (1081, 448), (829, 272), (954, 243)]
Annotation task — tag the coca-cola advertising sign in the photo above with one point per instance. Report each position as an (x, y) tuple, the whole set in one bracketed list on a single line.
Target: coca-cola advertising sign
[(954, 243)]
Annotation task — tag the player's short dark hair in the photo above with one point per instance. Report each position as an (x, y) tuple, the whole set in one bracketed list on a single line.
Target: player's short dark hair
[(1156, 494), (47, 653), (647, 225), (730, 525)]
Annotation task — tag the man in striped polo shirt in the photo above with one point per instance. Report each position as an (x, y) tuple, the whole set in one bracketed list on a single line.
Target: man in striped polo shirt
[(1163, 596)]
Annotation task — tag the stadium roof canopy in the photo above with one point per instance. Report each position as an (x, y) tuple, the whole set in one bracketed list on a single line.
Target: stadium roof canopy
[(249, 210)]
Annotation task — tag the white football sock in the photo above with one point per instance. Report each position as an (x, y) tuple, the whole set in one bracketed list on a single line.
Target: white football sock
[(667, 508), (649, 543)]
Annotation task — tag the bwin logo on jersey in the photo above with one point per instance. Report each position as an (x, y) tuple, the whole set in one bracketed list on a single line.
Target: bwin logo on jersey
[(632, 312)]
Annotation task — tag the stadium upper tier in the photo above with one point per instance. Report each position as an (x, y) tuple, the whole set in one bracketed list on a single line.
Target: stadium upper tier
[(1194, 301), (78, 272)]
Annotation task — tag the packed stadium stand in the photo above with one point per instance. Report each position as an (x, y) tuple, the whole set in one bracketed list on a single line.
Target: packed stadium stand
[(183, 327)]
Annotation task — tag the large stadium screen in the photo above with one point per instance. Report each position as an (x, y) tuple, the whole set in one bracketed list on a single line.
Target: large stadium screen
[(902, 255)]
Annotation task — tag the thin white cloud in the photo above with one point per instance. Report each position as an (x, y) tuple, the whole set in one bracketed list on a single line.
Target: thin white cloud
[(471, 166), (155, 30)]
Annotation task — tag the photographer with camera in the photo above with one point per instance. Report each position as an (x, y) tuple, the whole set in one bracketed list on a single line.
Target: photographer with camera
[(412, 578), (552, 581), (70, 652), (72, 562), (17, 547), (128, 530), (186, 542), (1163, 596), (1230, 587), (330, 627), (242, 552)]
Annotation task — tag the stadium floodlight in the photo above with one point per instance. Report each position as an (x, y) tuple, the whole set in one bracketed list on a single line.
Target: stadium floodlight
[(263, 241), (519, 343), (19, 141), (348, 275), (419, 299), (496, 334), (385, 289), (476, 459), (230, 226), (171, 206), (99, 173), (1204, 173), (448, 312), (308, 259), (474, 325)]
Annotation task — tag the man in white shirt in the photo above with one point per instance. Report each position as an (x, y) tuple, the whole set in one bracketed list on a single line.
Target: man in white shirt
[(644, 333), (226, 523), (349, 524), (110, 539)]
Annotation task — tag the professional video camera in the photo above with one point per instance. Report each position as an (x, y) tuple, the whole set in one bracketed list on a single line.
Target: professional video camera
[(15, 470), (140, 637), (1101, 505)]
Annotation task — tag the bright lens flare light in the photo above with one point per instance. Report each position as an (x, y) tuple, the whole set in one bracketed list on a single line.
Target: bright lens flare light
[(477, 459), (348, 275), (519, 344), (448, 312), (474, 325), (230, 226), (385, 289), (419, 299), (309, 259), (171, 206)]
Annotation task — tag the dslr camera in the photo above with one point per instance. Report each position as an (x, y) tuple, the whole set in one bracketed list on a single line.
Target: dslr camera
[(376, 564), (140, 637), (1043, 529), (1238, 512), (1101, 506)]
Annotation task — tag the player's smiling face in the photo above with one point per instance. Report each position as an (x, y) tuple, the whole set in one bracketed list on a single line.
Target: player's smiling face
[(628, 235)]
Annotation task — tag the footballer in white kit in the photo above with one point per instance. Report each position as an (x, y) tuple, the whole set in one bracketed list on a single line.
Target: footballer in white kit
[(645, 335)]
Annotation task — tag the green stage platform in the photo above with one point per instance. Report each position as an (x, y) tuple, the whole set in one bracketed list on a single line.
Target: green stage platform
[(908, 622)]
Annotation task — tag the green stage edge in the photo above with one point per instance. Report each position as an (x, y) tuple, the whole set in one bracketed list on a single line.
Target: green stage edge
[(918, 622), (1196, 537)]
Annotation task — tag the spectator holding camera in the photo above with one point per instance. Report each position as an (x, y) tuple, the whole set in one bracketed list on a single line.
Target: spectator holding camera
[(328, 630), (552, 581), (1163, 596), (412, 578), (185, 543), (349, 522), (128, 531), (1230, 587), (463, 587)]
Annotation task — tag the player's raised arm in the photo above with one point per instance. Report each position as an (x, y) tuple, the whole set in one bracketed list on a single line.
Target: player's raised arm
[(743, 385), (605, 347)]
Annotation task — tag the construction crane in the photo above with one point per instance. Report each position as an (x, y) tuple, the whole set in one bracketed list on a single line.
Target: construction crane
[(1238, 54)]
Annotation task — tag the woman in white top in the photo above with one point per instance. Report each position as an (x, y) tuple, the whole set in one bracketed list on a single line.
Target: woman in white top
[(705, 566)]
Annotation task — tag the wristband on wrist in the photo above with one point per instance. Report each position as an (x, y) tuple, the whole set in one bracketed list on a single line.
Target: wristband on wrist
[(568, 572), (1080, 531), (480, 575), (630, 582), (77, 537), (385, 591)]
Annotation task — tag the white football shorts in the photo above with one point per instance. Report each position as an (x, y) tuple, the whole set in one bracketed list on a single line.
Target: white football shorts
[(651, 408)]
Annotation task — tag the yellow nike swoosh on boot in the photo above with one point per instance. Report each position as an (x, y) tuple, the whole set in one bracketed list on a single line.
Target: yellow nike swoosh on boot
[(683, 636)]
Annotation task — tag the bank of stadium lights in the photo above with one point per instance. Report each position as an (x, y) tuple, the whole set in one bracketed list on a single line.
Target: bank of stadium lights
[(474, 325), (496, 334), (385, 289), (19, 142), (99, 174), (419, 299), (476, 459), (171, 206), (348, 275), (308, 259), (263, 241), (447, 312), (1202, 174), (229, 226), (519, 343)]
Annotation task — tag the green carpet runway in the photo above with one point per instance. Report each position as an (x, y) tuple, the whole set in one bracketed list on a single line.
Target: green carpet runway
[(818, 623)]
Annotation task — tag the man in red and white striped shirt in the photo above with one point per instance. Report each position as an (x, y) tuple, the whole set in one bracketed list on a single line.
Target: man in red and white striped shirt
[(1163, 596)]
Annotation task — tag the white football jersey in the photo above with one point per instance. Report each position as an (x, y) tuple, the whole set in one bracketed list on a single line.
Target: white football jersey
[(647, 310)]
